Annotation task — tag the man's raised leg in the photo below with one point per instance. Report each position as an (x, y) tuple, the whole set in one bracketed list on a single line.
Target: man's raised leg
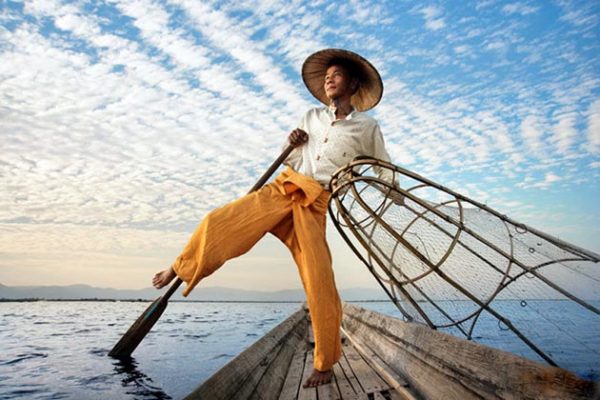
[(224, 233)]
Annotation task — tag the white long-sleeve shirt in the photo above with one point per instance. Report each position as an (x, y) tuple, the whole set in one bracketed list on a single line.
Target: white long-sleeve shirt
[(334, 143)]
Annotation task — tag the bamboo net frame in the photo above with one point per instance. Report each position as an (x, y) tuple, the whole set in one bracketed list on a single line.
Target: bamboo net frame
[(449, 262)]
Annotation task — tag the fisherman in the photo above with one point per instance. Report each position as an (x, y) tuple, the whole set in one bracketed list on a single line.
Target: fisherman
[(293, 206)]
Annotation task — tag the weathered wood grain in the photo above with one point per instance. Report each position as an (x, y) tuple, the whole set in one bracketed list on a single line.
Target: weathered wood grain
[(398, 385), (293, 380), (440, 366), (369, 380), (307, 393), (329, 391), (255, 378), (271, 382), (349, 373), (229, 380), (344, 386)]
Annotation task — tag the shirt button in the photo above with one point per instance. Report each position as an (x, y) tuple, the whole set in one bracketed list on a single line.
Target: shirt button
[(318, 158), (325, 141)]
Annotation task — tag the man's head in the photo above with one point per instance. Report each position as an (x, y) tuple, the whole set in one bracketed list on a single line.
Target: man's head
[(342, 79), (331, 73)]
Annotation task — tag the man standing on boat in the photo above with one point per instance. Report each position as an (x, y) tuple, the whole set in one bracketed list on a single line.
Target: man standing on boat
[(293, 207)]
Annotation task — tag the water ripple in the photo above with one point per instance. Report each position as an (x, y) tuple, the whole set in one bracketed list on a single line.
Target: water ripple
[(224, 355), (23, 357)]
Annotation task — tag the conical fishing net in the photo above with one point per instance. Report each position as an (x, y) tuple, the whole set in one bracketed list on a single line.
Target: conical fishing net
[(458, 266)]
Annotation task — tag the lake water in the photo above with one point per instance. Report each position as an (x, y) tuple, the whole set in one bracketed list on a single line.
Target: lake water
[(58, 350)]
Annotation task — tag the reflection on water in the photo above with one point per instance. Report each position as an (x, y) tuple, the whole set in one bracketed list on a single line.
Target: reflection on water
[(135, 382)]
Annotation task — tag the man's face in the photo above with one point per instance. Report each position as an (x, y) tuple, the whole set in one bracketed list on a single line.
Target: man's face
[(338, 83)]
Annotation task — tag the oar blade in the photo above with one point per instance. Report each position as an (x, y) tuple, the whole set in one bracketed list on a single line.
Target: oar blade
[(136, 333)]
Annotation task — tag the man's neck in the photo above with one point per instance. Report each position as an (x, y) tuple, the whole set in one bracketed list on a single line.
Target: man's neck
[(343, 107)]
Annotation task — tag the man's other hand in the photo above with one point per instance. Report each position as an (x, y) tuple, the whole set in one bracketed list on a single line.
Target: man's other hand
[(298, 137)]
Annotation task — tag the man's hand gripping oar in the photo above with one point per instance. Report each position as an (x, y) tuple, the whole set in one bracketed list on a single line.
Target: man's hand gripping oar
[(140, 328)]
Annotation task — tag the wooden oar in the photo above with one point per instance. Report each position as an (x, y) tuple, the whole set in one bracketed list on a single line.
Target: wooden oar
[(146, 321)]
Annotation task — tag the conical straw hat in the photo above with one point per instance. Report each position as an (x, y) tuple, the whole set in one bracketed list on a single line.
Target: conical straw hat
[(371, 86)]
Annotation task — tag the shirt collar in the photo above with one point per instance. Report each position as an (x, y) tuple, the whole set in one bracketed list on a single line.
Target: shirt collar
[(331, 112)]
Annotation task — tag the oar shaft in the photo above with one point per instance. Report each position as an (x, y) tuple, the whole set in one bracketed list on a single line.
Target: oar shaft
[(172, 289), (272, 168)]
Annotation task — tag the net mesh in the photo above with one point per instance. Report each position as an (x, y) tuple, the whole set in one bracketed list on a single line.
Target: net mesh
[(458, 266)]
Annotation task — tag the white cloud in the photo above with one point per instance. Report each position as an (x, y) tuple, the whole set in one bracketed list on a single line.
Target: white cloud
[(532, 133), (463, 50), (564, 133), (496, 45), (549, 179), (593, 128), (483, 4), (579, 14), (365, 13), (215, 26), (519, 8), (433, 17)]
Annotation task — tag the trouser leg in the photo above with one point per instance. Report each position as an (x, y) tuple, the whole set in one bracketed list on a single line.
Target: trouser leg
[(304, 234), (228, 232)]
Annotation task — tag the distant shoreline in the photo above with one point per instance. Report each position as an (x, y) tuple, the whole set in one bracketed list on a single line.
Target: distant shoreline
[(32, 300)]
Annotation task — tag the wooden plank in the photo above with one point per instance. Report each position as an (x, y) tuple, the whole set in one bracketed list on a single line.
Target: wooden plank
[(344, 386), (307, 393), (357, 396), (293, 380), (349, 373), (388, 395), (401, 395), (369, 380), (227, 381), (399, 385), (256, 376), (271, 383), (428, 380), (328, 391), (439, 365), (434, 383), (377, 363)]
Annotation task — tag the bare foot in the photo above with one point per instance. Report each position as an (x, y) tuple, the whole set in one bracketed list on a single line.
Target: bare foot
[(163, 278), (318, 378)]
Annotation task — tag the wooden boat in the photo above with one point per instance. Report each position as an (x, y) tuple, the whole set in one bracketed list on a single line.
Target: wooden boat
[(387, 359)]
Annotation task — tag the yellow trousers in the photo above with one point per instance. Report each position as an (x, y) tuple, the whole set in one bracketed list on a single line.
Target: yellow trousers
[(293, 208)]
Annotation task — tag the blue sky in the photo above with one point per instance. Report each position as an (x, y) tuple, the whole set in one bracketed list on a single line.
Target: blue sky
[(123, 122)]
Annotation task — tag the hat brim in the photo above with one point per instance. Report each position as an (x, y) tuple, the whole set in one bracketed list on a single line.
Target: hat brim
[(370, 89)]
